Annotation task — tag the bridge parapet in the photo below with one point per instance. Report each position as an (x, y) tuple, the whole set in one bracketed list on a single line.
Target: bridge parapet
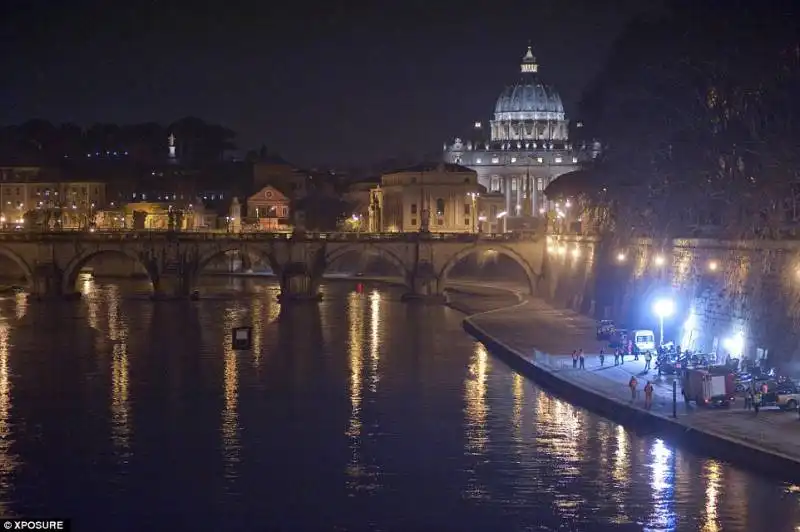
[(116, 235), (174, 259)]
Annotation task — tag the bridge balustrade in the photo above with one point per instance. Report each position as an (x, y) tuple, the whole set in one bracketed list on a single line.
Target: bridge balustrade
[(129, 235)]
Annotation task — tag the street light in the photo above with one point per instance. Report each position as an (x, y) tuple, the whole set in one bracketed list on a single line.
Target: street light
[(663, 309), (503, 216), (659, 260), (620, 257), (712, 265)]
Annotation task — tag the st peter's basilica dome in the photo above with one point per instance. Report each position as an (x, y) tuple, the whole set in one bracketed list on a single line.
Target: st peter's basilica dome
[(529, 109)]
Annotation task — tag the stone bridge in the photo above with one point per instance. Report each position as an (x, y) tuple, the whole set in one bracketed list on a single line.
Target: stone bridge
[(173, 261)]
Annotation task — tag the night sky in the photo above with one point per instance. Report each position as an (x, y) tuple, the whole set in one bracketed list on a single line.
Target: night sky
[(327, 83)]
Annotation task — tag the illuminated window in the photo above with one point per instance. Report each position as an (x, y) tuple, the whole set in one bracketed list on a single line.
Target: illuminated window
[(540, 184), (539, 160), (558, 160), (574, 160), (495, 184), (478, 160), (495, 160), (513, 159)]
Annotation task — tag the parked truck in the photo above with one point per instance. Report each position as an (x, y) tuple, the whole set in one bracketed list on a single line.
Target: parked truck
[(708, 387)]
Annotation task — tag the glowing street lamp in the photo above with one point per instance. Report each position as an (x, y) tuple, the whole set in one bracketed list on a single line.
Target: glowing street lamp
[(712, 265), (663, 308), (620, 257), (659, 260), (503, 216)]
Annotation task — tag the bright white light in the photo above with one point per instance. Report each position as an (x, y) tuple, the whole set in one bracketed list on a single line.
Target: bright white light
[(562, 250), (712, 265), (568, 204), (501, 214), (659, 260), (576, 253), (664, 308), (481, 218), (541, 211), (621, 257), (735, 344)]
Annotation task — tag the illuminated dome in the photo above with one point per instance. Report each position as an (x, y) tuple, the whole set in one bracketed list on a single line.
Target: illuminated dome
[(529, 109)]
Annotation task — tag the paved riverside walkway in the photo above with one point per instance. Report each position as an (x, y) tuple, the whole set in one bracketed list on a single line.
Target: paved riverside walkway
[(547, 336)]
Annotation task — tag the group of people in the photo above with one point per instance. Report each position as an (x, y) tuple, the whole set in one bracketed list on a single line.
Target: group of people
[(579, 362), (753, 397), (633, 384)]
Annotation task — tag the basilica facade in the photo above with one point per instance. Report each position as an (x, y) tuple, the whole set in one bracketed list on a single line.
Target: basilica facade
[(524, 147)]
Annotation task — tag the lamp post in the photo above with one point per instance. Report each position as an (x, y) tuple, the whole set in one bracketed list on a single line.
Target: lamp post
[(474, 197), (502, 216), (663, 308)]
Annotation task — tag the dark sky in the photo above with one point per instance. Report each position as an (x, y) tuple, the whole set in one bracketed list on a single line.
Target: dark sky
[(333, 83)]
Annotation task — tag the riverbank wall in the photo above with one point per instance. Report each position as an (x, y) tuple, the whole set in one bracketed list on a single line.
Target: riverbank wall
[(705, 441), (737, 297)]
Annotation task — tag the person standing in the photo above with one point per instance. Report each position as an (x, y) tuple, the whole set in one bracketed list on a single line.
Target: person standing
[(632, 384), (582, 359), (757, 401), (748, 399), (647, 359), (575, 359), (602, 358), (648, 395)]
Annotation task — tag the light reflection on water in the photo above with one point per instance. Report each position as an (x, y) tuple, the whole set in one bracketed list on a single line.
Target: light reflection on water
[(476, 412), (8, 461), (230, 415), (385, 429), (120, 400)]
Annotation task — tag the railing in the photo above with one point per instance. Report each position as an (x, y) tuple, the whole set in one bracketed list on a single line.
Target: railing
[(261, 236)]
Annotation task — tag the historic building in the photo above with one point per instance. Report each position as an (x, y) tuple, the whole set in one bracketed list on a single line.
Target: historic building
[(268, 210), (436, 197), (525, 146), (25, 190)]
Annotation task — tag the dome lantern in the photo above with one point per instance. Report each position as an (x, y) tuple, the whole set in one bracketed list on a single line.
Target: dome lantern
[(529, 109), (529, 64)]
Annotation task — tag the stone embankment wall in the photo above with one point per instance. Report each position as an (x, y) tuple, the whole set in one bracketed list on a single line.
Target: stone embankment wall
[(738, 298)]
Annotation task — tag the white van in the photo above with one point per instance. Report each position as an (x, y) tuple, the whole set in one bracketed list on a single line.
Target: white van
[(644, 340)]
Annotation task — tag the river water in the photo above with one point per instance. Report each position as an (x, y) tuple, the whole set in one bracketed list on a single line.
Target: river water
[(361, 413)]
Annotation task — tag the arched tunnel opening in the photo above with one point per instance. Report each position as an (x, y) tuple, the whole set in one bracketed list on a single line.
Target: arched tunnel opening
[(234, 262), (127, 273), (489, 267), (13, 277), (370, 263)]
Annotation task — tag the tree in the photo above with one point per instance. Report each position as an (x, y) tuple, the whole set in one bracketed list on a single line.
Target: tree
[(323, 212), (696, 114)]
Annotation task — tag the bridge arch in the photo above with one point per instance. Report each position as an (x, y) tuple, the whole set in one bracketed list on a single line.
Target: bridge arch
[(242, 250), (390, 256), (24, 267), (73, 268), (530, 273)]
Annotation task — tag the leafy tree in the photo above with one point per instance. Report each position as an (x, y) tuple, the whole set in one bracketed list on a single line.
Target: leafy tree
[(697, 116)]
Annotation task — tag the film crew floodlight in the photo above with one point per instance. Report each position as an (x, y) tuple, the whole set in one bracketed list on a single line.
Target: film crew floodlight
[(663, 308)]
